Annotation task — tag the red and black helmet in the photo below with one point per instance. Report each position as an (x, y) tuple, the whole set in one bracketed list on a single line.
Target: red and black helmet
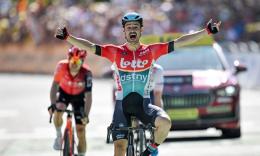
[(77, 53)]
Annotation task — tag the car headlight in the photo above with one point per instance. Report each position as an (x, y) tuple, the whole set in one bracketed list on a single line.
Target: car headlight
[(227, 91)]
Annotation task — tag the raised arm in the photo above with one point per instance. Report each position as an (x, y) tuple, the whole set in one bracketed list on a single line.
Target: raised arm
[(62, 33), (192, 37)]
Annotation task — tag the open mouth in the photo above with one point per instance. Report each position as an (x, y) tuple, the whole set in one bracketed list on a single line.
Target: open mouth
[(133, 36)]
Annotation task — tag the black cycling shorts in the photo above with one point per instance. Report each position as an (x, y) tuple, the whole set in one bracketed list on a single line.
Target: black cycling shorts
[(133, 105), (77, 102)]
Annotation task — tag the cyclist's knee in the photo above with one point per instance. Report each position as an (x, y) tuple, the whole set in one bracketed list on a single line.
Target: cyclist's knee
[(58, 115), (60, 106), (163, 121), (120, 144), (80, 129)]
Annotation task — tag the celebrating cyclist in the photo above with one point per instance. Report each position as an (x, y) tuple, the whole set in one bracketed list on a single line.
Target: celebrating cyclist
[(72, 84), (133, 63)]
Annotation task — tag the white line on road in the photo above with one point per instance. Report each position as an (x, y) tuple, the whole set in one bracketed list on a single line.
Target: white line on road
[(38, 133), (8, 113), (46, 133)]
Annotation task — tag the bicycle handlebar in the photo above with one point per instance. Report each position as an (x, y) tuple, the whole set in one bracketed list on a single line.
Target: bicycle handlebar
[(140, 127), (67, 111)]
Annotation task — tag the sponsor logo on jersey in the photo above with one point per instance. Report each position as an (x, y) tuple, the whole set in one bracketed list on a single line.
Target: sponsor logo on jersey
[(134, 77), (121, 124), (134, 63), (124, 53), (144, 52), (80, 84), (75, 84)]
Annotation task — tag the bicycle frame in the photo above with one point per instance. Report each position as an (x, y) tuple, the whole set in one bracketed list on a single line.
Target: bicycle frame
[(139, 130), (69, 129)]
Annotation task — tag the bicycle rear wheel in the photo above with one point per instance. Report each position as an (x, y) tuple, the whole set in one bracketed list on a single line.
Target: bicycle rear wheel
[(68, 148)]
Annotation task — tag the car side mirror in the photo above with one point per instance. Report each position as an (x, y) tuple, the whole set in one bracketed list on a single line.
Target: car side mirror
[(239, 67)]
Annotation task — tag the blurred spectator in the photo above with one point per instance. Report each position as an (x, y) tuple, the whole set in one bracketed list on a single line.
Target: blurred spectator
[(36, 20)]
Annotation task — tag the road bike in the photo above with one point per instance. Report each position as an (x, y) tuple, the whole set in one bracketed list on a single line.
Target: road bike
[(68, 139), (138, 138)]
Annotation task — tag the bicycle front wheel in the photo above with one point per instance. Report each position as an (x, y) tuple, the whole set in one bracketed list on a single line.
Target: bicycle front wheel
[(68, 141), (140, 141), (130, 150)]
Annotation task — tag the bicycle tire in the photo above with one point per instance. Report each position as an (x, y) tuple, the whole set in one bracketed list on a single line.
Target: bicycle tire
[(140, 142), (66, 144), (130, 150), (72, 143), (68, 148)]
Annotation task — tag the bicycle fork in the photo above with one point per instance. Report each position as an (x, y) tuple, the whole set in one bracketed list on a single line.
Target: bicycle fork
[(70, 133)]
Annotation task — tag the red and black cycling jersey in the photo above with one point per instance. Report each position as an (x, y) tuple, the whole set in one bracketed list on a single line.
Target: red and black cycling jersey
[(133, 68), (82, 82)]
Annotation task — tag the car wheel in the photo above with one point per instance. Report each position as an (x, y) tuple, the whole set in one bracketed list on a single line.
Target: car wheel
[(231, 133)]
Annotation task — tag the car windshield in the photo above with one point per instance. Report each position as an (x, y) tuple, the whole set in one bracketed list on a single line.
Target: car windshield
[(195, 58)]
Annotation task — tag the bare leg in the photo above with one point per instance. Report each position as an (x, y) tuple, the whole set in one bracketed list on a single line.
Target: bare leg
[(120, 147), (81, 133), (58, 123), (163, 125), (58, 118)]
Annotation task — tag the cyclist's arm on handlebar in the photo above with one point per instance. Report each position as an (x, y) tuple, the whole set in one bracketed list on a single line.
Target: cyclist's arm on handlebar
[(53, 92), (88, 102), (82, 43)]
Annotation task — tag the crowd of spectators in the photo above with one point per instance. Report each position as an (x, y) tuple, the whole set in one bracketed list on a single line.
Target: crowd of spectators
[(37, 20)]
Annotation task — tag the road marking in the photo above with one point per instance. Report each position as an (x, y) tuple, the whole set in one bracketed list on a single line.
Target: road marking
[(211, 132), (45, 113), (46, 133), (8, 113), (37, 133), (250, 126), (2, 131)]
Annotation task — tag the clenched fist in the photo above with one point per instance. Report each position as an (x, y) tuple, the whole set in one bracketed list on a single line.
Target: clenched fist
[(212, 28), (62, 33)]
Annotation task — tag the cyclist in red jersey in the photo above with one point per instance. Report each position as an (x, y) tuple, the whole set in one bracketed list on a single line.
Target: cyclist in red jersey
[(72, 84), (133, 63)]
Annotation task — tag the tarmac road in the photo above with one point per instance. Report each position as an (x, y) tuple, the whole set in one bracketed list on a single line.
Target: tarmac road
[(25, 130)]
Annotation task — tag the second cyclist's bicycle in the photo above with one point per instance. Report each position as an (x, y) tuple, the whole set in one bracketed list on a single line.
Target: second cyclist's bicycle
[(68, 139)]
